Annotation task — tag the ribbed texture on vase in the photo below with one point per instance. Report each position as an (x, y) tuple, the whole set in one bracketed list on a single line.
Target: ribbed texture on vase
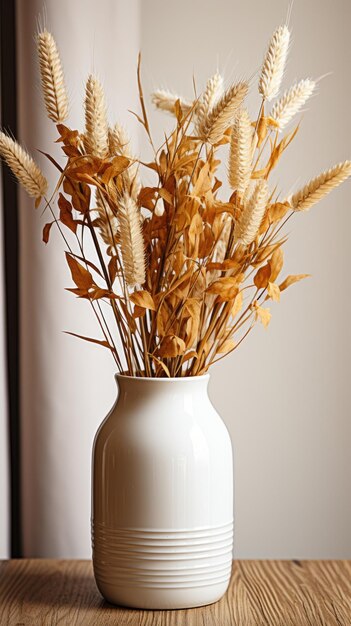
[(162, 558)]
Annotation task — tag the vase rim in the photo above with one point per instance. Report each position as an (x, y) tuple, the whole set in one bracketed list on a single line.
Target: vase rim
[(184, 379)]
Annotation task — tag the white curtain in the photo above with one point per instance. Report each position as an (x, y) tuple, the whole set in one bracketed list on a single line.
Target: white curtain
[(67, 384)]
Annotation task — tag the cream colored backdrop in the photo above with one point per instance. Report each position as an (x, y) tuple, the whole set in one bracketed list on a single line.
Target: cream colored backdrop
[(285, 395)]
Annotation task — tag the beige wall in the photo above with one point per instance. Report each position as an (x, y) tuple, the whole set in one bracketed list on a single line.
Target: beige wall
[(285, 395)]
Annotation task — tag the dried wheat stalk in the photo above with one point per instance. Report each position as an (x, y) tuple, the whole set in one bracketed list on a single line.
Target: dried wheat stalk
[(165, 101), (240, 155), (251, 217), (119, 144), (132, 243), (320, 186), (23, 167), (52, 79), (96, 127), (223, 113), (106, 221), (274, 64), (292, 101), (212, 93)]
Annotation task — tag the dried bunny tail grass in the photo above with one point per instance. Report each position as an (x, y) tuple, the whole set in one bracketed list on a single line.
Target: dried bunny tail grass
[(250, 220), (165, 101), (96, 128), (274, 63), (292, 101), (23, 167), (223, 113), (119, 144), (212, 93), (52, 79), (240, 154), (106, 221), (131, 241), (320, 186)]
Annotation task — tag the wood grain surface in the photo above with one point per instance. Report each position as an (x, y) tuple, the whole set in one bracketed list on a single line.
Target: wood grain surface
[(285, 593)]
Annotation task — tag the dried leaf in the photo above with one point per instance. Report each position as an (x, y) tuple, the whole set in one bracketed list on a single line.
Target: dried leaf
[(117, 166), (276, 263), (273, 291), (46, 232), (237, 304), (97, 341), (66, 213), (203, 182), (291, 279), (143, 299), (226, 347), (161, 364), (81, 276), (277, 211), (262, 277), (261, 314), (226, 288), (171, 346)]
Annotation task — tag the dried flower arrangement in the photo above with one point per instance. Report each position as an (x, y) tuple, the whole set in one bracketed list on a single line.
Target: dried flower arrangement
[(184, 273)]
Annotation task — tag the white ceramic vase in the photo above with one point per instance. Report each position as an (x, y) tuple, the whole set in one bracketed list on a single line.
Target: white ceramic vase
[(162, 498)]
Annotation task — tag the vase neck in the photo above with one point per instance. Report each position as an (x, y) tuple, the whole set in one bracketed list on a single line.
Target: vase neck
[(128, 385)]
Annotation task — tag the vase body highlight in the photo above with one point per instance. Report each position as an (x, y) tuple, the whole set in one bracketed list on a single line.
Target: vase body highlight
[(162, 496)]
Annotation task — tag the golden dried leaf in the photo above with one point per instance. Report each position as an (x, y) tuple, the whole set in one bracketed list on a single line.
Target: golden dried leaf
[(277, 211), (116, 167), (166, 195), (161, 364), (262, 277), (263, 315), (66, 213), (138, 311), (237, 304), (81, 276), (274, 291), (171, 347), (276, 263), (146, 197), (190, 355), (143, 299), (196, 227), (226, 288), (203, 182), (46, 232), (291, 279), (226, 347), (97, 341)]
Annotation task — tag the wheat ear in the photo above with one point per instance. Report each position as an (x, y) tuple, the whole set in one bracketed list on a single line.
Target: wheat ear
[(23, 167), (240, 154), (292, 101), (251, 217), (52, 79), (96, 127), (119, 144), (223, 113), (131, 241), (165, 101), (274, 63), (320, 186), (106, 221), (212, 93)]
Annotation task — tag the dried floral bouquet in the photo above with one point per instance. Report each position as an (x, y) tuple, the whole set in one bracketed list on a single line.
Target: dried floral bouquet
[(185, 274)]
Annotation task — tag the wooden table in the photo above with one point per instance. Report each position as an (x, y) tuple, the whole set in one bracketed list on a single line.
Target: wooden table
[(285, 593)]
